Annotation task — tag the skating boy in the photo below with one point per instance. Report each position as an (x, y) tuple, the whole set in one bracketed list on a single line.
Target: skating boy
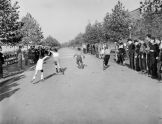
[(79, 58), (39, 67)]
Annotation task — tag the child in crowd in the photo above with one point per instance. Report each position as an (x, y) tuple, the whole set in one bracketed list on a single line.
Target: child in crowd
[(79, 58), (39, 67)]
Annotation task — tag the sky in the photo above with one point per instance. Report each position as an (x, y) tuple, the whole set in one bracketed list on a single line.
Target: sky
[(64, 19)]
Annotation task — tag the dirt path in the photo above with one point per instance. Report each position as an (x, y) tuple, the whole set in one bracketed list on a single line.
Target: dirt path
[(117, 95)]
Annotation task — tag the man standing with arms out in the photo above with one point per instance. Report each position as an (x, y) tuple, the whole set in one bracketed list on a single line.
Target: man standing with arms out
[(1, 63)]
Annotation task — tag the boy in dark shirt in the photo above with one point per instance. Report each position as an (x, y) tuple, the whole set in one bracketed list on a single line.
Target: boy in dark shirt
[(79, 58)]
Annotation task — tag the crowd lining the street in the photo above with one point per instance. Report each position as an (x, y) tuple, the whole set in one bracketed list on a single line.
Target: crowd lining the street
[(143, 55)]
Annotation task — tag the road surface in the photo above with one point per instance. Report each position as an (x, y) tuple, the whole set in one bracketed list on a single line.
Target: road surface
[(117, 95)]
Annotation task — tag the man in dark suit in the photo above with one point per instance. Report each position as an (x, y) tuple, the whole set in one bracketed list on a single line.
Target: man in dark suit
[(137, 55), (1, 63), (131, 52)]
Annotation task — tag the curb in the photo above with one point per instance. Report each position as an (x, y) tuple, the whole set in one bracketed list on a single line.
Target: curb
[(13, 74)]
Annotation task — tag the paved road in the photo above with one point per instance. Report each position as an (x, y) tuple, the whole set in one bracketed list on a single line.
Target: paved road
[(117, 95)]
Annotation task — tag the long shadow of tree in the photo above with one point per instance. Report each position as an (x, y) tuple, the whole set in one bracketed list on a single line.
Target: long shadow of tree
[(8, 87)]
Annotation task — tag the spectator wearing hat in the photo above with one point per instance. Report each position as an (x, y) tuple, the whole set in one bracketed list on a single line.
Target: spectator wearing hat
[(143, 56), (148, 43), (153, 55), (159, 61), (20, 57), (31, 55), (1, 63), (131, 52), (137, 55), (156, 54), (36, 55), (121, 53)]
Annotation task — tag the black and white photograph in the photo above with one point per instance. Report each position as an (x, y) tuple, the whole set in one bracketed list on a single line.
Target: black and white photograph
[(80, 61)]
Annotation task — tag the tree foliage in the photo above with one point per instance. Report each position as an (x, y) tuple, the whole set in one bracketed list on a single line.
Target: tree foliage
[(78, 40), (10, 26), (151, 20), (117, 23), (115, 26), (31, 30), (94, 33), (51, 42)]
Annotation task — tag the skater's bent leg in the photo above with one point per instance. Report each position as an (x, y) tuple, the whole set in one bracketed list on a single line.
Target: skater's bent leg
[(42, 77), (36, 71), (56, 67)]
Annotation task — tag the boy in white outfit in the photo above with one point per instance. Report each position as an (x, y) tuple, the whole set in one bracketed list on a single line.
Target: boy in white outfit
[(39, 67), (56, 58)]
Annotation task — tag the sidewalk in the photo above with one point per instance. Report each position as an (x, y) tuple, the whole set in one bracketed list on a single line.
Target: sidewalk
[(12, 73)]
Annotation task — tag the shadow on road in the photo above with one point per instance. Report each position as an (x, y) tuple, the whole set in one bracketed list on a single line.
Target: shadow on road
[(8, 87), (51, 75), (64, 69)]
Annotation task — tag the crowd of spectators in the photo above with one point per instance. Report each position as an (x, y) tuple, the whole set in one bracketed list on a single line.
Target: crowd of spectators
[(144, 55), (22, 58)]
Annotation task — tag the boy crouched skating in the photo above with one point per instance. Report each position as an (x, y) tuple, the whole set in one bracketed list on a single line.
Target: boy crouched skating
[(39, 67), (79, 59)]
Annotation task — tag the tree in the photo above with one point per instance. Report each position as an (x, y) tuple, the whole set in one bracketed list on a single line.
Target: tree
[(151, 20), (10, 26), (52, 42), (31, 31), (77, 41), (106, 25), (98, 27), (94, 33), (88, 34), (114, 27), (117, 23)]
